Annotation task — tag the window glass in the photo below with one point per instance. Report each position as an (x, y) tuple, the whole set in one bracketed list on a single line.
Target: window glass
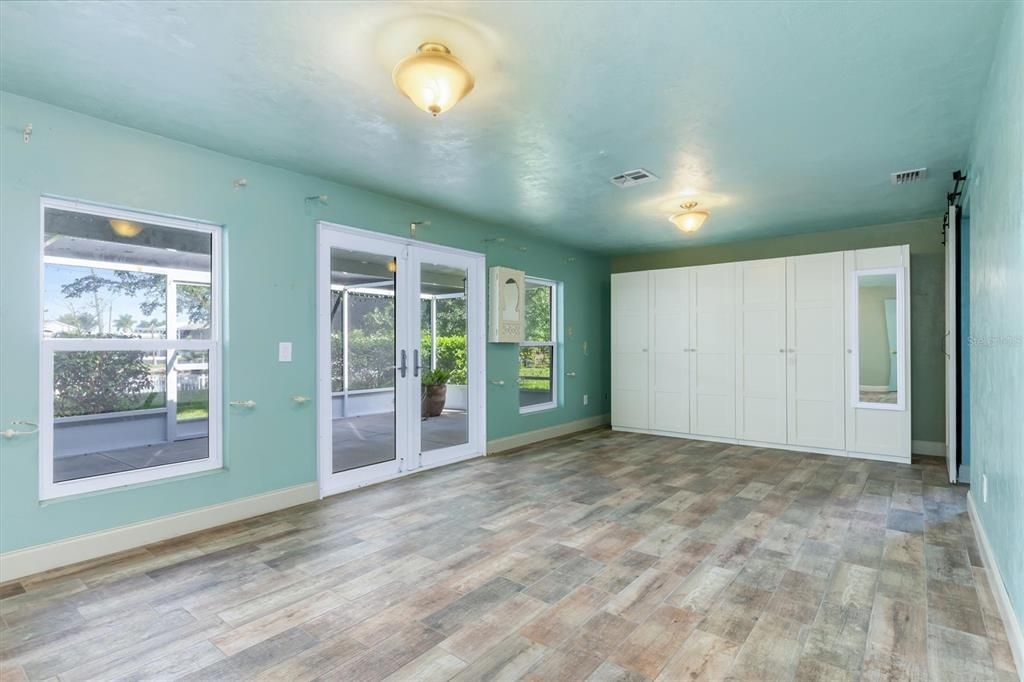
[(537, 355), (538, 311), (536, 375), (128, 340)]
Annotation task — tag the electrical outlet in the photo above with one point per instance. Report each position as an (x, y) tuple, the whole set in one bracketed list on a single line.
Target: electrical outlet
[(284, 351), (586, 400), (984, 488)]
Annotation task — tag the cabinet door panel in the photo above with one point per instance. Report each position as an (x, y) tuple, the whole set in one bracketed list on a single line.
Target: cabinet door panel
[(629, 321), (670, 363), (815, 351), (761, 335), (713, 352)]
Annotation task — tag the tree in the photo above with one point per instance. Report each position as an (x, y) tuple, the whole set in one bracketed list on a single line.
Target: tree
[(125, 324), (538, 313), (193, 299), (82, 323)]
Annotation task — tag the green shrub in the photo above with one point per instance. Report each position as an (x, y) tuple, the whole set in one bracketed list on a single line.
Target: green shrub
[(369, 354), (93, 382)]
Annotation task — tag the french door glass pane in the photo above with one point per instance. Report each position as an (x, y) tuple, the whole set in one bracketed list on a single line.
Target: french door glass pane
[(444, 333), (363, 358)]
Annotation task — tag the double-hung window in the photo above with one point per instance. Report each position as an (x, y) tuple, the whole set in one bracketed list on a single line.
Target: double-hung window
[(538, 353), (130, 353)]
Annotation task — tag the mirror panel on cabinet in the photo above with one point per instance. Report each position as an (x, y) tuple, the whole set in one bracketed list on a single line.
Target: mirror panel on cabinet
[(878, 339)]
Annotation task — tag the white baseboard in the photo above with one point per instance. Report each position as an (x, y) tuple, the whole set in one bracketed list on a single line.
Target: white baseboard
[(898, 459), (22, 562), (995, 581), (521, 439), (928, 448)]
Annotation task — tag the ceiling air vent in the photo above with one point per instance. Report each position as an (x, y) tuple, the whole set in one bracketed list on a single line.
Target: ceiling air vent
[(633, 177), (908, 176)]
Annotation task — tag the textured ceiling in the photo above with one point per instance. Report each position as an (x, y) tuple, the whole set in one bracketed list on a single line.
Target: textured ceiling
[(781, 117)]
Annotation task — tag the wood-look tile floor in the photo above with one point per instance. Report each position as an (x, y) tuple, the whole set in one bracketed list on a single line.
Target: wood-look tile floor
[(604, 556)]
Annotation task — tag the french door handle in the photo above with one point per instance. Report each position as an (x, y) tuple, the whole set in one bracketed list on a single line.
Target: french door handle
[(416, 367), (402, 367)]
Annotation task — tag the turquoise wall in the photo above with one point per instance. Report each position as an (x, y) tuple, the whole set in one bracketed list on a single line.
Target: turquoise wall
[(996, 186), (269, 271)]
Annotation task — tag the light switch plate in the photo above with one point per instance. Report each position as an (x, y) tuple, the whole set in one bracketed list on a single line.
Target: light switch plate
[(284, 351)]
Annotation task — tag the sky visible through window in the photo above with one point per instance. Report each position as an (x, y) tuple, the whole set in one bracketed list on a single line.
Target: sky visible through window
[(59, 308)]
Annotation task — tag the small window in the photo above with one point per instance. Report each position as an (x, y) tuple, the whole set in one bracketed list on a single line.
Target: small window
[(538, 353), (130, 363)]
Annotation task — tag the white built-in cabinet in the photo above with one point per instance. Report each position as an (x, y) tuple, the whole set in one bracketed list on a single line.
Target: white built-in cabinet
[(630, 405), (767, 352)]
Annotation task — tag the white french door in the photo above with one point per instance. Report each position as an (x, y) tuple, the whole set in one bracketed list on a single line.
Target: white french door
[(400, 356)]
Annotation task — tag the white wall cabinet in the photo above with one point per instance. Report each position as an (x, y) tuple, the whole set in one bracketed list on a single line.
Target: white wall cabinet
[(779, 352), (669, 364), (815, 382), (713, 351), (629, 349), (761, 367)]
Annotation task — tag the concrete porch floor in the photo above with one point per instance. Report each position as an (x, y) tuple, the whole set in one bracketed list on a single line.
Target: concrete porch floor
[(370, 439), (358, 442)]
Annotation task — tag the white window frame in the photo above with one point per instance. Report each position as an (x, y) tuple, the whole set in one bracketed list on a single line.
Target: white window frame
[(48, 489), (556, 366)]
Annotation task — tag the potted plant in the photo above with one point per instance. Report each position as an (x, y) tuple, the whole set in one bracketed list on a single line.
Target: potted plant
[(435, 392)]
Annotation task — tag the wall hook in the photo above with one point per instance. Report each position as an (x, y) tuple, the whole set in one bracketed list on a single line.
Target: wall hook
[(413, 225), (319, 198), (241, 183), (27, 133)]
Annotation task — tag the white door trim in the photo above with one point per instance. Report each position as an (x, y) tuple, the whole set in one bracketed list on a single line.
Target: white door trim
[(952, 380), (409, 254)]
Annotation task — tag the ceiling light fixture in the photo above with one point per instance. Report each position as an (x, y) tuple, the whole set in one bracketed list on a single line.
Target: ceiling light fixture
[(689, 220), (433, 78), (125, 228)]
